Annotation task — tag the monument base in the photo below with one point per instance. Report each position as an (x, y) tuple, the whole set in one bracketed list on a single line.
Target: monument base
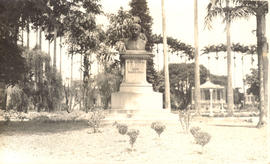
[(136, 100), (140, 117)]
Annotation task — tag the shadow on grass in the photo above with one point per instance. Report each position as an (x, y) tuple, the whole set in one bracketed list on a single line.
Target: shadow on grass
[(235, 126), (38, 127)]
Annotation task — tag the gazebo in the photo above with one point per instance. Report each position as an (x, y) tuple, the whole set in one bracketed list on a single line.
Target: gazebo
[(212, 96)]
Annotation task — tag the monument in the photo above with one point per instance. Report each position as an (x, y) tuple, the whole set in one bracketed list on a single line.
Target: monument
[(136, 95)]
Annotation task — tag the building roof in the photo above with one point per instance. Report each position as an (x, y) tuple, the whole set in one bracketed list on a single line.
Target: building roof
[(209, 85)]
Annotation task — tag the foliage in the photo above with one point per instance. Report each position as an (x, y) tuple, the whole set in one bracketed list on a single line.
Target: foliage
[(119, 27), (159, 127), (107, 83), (236, 47), (19, 100), (252, 80), (238, 97), (219, 79), (139, 8), (47, 92), (181, 82), (133, 134), (158, 84), (83, 37), (7, 118), (217, 8), (73, 96), (185, 118), (41, 86), (201, 138), (95, 120), (12, 63), (47, 117), (122, 128), (175, 46), (19, 14)]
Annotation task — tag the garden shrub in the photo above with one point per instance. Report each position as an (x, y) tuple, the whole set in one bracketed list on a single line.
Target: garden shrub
[(95, 120), (201, 138), (158, 127), (185, 119), (133, 134), (18, 99), (122, 128)]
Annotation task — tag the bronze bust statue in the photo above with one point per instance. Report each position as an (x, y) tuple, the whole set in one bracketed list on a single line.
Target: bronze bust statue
[(137, 41)]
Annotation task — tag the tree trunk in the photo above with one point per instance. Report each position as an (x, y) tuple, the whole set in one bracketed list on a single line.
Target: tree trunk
[(166, 70), (49, 48), (40, 38), (244, 89), (60, 44), (85, 81), (37, 37), (262, 67), (71, 79), (197, 93), (3, 96), (81, 79), (22, 35), (28, 31), (54, 50), (229, 66)]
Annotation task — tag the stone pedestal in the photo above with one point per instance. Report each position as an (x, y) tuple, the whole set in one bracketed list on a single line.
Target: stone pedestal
[(135, 93)]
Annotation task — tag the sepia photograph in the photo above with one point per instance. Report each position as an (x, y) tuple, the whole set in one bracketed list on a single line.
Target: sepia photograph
[(134, 82)]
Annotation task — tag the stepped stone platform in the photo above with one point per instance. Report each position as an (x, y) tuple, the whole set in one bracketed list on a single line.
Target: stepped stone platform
[(140, 117)]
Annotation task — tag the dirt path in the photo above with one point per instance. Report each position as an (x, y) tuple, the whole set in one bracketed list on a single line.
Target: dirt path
[(233, 142)]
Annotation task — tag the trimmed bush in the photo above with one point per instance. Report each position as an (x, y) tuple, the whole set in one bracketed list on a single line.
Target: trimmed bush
[(158, 127)]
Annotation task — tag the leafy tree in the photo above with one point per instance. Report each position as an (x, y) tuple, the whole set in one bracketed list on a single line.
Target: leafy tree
[(12, 64), (182, 81), (253, 83), (176, 46), (40, 87), (109, 80), (107, 83), (119, 27), (83, 36), (197, 90)]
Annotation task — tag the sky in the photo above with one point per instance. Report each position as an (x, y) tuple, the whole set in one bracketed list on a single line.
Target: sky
[(179, 24)]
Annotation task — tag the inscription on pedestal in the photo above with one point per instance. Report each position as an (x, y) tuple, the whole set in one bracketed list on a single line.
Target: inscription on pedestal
[(135, 66), (135, 70)]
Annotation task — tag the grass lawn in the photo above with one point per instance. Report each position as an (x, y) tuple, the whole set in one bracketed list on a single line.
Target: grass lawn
[(233, 141)]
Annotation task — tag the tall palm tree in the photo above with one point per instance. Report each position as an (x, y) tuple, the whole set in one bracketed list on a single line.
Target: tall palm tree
[(28, 32), (197, 92), (262, 60), (54, 50), (49, 47), (71, 79), (166, 70), (60, 44), (229, 62), (217, 8), (37, 45), (40, 37), (260, 9)]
